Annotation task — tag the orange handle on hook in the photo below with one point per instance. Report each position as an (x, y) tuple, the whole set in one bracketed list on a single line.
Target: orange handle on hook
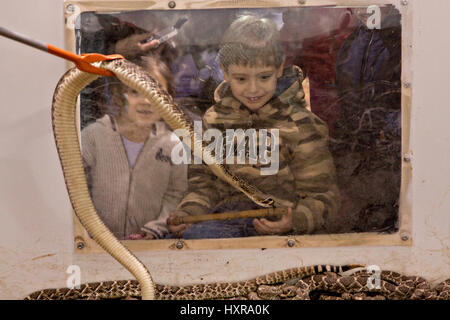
[(82, 62)]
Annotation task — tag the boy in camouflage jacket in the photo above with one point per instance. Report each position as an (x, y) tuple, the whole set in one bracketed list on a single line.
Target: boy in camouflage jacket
[(259, 93)]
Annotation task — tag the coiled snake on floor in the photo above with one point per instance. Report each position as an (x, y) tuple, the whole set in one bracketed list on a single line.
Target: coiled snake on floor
[(66, 137)]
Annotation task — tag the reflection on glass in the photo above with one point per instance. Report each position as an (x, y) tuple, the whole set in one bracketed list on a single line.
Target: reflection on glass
[(338, 166)]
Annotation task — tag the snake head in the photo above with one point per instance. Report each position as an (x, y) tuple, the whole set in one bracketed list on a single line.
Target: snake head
[(268, 202)]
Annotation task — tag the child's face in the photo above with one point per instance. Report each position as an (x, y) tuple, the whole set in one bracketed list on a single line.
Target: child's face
[(140, 110), (253, 86)]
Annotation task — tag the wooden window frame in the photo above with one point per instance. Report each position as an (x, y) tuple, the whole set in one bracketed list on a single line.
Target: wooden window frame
[(84, 244)]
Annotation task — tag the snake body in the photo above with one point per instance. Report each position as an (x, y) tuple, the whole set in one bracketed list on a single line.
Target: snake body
[(66, 137), (331, 286), (126, 288), (67, 143)]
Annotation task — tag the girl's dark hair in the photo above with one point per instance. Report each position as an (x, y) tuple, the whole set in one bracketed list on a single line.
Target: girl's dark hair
[(251, 40), (150, 63), (154, 64)]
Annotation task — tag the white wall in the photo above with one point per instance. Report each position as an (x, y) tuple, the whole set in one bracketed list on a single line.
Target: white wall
[(36, 224)]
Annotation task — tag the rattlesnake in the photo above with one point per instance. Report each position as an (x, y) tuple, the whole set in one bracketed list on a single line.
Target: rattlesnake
[(120, 289), (291, 284), (331, 286), (66, 138)]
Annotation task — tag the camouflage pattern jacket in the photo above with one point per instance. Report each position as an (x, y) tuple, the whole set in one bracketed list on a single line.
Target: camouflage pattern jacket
[(306, 173)]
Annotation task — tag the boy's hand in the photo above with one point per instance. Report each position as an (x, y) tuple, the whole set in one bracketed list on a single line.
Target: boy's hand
[(179, 229), (282, 226)]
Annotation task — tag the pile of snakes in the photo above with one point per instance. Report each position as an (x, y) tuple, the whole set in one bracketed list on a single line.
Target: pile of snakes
[(303, 283)]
